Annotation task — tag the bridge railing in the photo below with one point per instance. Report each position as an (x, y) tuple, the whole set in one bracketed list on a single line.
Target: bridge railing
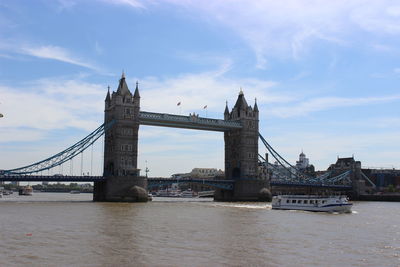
[(158, 182)]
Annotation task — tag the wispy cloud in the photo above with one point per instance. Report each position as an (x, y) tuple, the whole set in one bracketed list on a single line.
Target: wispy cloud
[(131, 3), (382, 47), (66, 4), (56, 53), (325, 103), (290, 28), (194, 91), (52, 104)]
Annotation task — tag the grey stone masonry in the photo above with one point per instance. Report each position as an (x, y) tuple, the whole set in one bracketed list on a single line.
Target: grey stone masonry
[(121, 141), (241, 146), (123, 183)]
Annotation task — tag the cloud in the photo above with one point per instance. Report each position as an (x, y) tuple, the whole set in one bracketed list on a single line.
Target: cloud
[(50, 104), (65, 4), (194, 91), (14, 135), (325, 103), (383, 47), (58, 103), (288, 29), (131, 3), (56, 53)]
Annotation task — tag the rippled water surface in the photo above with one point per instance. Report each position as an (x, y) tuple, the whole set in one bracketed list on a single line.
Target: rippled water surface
[(55, 229)]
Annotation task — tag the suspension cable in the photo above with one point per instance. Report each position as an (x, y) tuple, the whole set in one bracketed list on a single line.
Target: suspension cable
[(65, 155)]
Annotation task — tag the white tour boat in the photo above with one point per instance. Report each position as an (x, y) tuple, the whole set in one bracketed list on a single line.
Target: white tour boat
[(312, 203), (187, 194)]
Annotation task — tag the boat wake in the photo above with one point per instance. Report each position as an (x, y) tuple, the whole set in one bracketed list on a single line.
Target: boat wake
[(245, 206)]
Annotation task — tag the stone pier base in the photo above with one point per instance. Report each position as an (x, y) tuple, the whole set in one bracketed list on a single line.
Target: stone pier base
[(243, 190), (121, 189)]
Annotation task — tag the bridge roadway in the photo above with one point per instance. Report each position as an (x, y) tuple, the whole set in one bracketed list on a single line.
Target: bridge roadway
[(223, 184), (50, 178), (155, 182), (314, 185), (187, 122), (152, 182)]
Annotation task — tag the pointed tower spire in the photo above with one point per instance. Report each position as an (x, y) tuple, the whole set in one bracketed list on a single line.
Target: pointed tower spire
[(136, 94), (241, 101), (122, 86), (226, 108), (108, 98), (255, 105)]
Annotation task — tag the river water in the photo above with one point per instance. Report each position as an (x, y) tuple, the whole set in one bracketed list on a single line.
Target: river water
[(57, 229)]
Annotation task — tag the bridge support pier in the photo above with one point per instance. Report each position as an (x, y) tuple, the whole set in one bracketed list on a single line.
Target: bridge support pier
[(121, 189), (243, 190)]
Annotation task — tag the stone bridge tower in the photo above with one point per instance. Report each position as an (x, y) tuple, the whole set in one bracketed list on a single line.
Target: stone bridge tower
[(241, 146), (241, 153), (121, 141), (120, 146)]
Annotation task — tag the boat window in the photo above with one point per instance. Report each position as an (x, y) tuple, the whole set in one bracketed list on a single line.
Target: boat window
[(305, 201), (311, 201), (294, 201), (287, 201), (323, 201), (299, 201)]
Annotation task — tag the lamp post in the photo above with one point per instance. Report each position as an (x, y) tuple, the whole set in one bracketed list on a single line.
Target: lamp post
[(147, 169)]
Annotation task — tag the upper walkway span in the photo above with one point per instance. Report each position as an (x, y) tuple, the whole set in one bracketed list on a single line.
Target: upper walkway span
[(187, 122)]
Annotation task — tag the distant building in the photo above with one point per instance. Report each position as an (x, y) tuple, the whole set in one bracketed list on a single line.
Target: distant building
[(206, 173), (201, 173), (303, 162), (198, 173), (344, 164)]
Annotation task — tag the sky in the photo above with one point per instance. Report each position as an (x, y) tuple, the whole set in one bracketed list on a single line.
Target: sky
[(325, 75)]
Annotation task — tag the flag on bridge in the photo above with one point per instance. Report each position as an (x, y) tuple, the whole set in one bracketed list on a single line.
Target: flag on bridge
[(179, 103), (205, 107)]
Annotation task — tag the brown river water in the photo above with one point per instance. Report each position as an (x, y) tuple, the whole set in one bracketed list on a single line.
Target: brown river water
[(57, 229)]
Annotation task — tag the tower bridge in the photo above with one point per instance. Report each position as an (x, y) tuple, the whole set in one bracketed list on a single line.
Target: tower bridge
[(240, 127), (121, 178)]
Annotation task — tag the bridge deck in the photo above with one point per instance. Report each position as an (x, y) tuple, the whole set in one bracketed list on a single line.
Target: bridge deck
[(224, 184), (50, 178), (187, 122), (314, 185)]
